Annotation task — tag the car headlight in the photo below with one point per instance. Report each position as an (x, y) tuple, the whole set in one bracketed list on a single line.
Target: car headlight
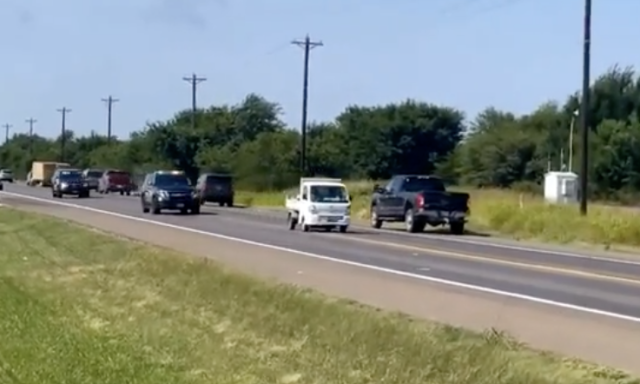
[(64, 185), (163, 194), (313, 209), (347, 211)]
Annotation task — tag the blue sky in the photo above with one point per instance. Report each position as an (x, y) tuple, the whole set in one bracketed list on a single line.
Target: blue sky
[(513, 54)]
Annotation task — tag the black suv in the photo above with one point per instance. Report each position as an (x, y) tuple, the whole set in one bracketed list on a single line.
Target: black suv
[(215, 188), (168, 190), (69, 182)]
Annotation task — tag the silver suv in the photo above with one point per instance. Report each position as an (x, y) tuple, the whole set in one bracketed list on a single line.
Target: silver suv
[(6, 175)]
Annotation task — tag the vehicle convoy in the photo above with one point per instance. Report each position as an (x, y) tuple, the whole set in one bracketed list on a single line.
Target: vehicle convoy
[(68, 181), (168, 190), (320, 203), (419, 201), (215, 188), (92, 177), (42, 172), (114, 180), (6, 175)]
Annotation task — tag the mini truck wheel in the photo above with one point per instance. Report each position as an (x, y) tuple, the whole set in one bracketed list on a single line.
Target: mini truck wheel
[(292, 221)]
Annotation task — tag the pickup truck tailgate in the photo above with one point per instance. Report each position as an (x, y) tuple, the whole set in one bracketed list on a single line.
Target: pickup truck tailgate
[(446, 201)]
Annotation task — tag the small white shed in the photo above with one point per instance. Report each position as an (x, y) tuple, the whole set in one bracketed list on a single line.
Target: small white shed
[(561, 187)]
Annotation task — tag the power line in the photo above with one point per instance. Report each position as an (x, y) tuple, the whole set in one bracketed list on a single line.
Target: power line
[(109, 100), (194, 80), (63, 128), (307, 45), (31, 121), (7, 127), (584, 108)]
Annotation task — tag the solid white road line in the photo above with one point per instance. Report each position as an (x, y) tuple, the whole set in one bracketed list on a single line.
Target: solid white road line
[(450, 283)]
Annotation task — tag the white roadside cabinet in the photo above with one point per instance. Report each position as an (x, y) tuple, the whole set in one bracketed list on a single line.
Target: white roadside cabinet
[(561, 187), (320, 204)]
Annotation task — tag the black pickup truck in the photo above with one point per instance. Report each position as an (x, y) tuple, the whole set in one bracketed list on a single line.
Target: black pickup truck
[(419, 201)]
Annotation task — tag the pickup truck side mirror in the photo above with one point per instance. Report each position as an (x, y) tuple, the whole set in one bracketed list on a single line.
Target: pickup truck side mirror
[(304, 197)]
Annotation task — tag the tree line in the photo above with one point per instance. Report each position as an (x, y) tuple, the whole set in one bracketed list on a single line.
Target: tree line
[(495, 149)]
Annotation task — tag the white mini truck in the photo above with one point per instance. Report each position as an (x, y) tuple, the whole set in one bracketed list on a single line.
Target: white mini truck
[(320, 203)]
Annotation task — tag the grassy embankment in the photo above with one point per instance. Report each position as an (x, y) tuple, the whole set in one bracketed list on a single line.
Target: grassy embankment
[(519, 215), (79, 306)]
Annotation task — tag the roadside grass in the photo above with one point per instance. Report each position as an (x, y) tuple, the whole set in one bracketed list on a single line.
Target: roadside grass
[(510, 213), (81, 306)]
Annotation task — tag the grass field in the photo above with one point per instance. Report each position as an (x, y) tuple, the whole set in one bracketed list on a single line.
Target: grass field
[(79, 306), (518, 215)]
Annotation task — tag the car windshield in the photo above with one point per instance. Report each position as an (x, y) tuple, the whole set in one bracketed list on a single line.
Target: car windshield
[(329, 194), (419, 184), (94, 173), (171, 180), (67, 175)]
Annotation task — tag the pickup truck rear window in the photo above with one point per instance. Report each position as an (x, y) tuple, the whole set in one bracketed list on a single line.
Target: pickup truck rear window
[(418, 184)]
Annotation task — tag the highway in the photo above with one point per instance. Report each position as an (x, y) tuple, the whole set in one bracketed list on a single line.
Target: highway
[(604, 287)]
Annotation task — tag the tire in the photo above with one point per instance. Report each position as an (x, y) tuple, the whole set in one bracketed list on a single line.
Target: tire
[(304, 227), (221, 203), (184, 211), (155, 210), (374, 221), (195, 210), (343, 228), (291, 221), (121, 193), (411, 224), (457, 228), (128, 193), (230, 203), (145, 209)]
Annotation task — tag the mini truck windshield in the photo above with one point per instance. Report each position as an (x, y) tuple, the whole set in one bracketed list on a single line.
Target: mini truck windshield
[(329, 194), (170, 180)]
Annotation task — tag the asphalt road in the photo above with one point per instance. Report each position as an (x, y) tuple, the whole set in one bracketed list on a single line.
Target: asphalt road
[(598, 284)]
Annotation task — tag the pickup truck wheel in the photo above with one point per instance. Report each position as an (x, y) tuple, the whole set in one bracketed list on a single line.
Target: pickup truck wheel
[(457, 228), (411, 224), (375, 222), (343, 228)]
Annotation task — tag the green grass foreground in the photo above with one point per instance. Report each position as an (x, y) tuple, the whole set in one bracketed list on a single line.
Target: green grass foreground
[(510, 213), (79, 306)]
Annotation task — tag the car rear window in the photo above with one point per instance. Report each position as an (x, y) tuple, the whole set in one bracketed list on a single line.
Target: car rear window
[(217, 180), (118, 174)]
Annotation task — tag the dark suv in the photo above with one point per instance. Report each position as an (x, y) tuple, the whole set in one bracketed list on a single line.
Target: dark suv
[(69, 182), (215, 188), (168, 190)]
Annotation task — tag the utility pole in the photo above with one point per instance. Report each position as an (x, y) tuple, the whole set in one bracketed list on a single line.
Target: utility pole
[(307, 45), (584, 108), (63, 128), (31, 121), (194, 80), (7, 127), (109, 100)]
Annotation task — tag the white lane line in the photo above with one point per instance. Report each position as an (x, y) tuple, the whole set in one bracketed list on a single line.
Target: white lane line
[(450, 283)]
